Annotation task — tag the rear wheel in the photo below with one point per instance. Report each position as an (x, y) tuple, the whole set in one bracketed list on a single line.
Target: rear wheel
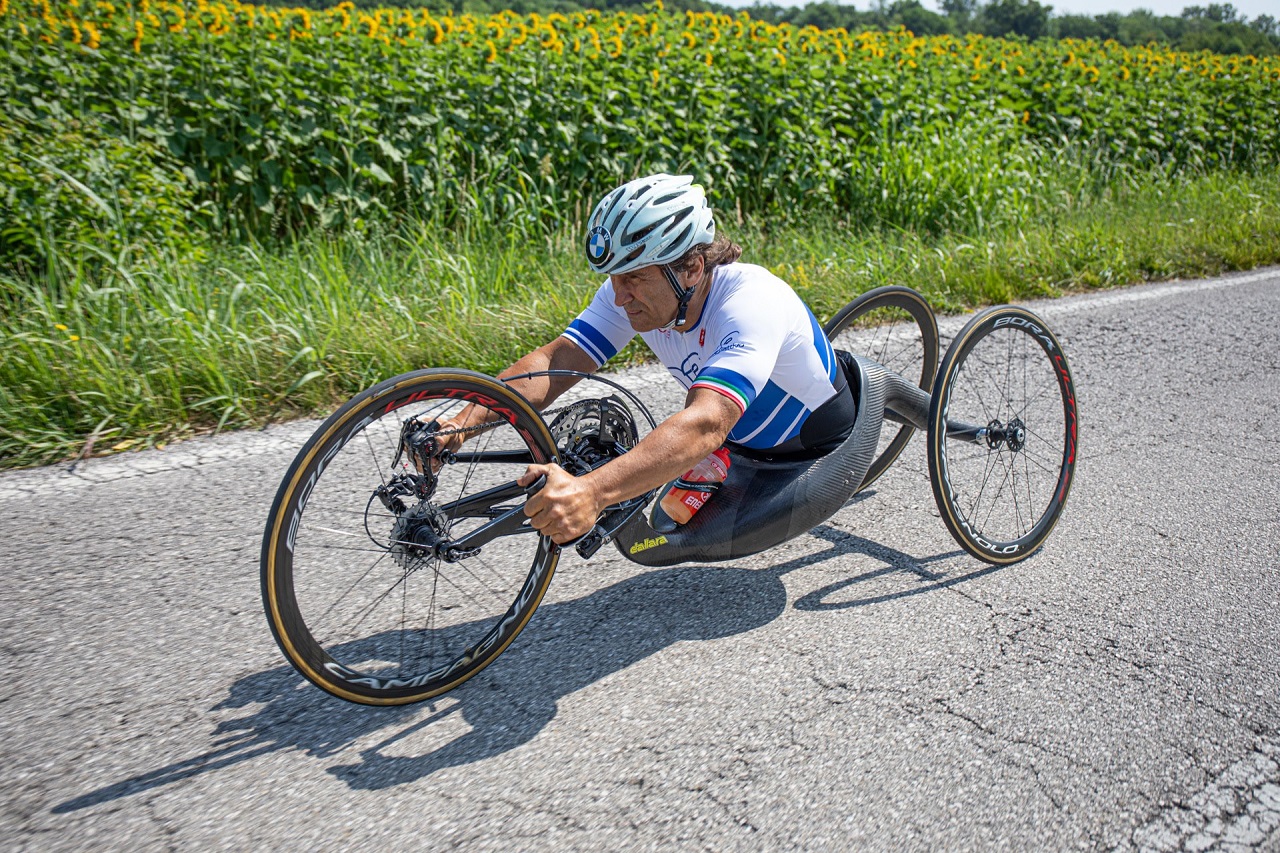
[(361, 591), (1002, 434), (893, 326)]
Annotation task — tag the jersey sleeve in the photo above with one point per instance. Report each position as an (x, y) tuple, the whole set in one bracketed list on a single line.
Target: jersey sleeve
[(601, 329), (749, 337)]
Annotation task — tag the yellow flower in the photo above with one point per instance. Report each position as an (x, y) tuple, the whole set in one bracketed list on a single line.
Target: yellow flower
[(95, 37), (137, 39), (61, 327), (653, 72), (616, 49), (491, 51), (690, 41), (74, 338), (1026, 116), (708, 59)]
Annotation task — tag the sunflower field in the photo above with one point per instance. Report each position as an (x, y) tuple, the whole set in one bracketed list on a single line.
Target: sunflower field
[(264, 119)]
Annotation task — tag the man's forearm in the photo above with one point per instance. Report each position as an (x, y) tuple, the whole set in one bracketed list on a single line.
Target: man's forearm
[(540, 391), (675, 446)]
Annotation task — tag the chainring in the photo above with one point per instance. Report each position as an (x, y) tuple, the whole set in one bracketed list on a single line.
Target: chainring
[(589, 433)]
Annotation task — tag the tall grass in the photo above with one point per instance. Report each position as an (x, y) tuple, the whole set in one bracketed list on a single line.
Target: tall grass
[(98, 357)]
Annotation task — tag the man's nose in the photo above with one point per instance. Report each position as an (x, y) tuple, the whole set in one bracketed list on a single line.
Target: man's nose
[(621, 294)]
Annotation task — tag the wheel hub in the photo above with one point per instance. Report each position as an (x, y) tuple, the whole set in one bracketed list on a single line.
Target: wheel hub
[(1013, 435), (417, 533)]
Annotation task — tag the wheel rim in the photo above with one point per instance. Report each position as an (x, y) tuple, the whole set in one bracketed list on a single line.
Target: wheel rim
[(895, 327), (368, 608), (1002, 496)]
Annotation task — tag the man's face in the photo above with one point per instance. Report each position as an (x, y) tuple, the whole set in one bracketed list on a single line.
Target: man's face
[(646, 297)]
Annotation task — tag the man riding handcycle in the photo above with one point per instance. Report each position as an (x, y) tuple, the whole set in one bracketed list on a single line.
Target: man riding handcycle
[(418, 529)]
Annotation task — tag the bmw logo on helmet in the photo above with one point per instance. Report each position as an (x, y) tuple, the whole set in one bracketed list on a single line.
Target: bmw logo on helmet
[(599, 242)]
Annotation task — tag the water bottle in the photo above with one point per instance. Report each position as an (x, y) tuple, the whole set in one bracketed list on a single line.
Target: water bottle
[(695, 488)]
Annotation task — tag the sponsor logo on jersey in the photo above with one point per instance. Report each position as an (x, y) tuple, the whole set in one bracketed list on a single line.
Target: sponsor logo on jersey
[(728, 343), (690, 366)]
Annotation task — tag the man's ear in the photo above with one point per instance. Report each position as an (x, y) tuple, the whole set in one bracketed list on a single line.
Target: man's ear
[(696, 271)]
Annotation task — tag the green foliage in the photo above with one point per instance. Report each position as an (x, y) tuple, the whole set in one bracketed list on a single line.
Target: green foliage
[(72, 188), (401, 196), (1024, 18), (131, 356), (353, 119)]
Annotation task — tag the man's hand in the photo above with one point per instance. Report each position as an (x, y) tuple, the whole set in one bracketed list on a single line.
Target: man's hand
[(565, 508)]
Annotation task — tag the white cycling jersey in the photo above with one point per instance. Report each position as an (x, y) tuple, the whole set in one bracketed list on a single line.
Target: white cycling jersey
[(755, 342)]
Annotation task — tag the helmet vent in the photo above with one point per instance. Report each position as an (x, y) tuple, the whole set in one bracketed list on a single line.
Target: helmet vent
[(679, 217), (641, 234), (639, 250)]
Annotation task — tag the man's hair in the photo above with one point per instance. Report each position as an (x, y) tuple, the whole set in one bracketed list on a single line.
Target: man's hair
[(722, 250)]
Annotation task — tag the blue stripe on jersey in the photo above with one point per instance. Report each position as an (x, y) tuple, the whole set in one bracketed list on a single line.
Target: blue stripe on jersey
[(731, 377), (785, 424), (596, 344), (775, 425), (823, 344), (758, 412)]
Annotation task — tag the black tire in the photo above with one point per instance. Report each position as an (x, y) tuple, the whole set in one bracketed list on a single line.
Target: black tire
[(1001, 495), (894, 326), (356, 611)]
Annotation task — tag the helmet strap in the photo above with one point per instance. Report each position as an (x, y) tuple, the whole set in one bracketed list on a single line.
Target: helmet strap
[(684, 295)]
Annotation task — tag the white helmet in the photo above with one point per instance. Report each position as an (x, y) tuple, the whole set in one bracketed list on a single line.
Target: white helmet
[(652, 220)]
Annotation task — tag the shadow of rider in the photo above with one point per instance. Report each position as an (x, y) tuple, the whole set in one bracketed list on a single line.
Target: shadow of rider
[(567, 646)]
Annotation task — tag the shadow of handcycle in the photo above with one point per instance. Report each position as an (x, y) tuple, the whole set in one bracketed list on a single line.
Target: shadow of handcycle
[(513, 700)]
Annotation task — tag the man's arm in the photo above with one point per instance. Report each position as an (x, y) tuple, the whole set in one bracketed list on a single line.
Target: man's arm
[(560, 354), (567, 506), (541, 391)]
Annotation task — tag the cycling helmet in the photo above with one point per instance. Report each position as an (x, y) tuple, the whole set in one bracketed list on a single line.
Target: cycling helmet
[(652, 220)]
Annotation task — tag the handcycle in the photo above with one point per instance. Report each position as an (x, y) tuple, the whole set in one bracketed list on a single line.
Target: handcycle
[(384, 584)]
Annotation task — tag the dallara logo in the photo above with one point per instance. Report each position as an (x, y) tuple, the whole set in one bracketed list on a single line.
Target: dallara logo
[(647, 544)]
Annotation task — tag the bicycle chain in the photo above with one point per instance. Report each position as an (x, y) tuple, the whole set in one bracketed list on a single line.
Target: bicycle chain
[(493, 424)]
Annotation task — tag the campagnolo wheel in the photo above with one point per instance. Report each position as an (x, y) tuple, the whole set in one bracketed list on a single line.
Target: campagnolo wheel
[(363, 588), (1002, 434), (896, 327)]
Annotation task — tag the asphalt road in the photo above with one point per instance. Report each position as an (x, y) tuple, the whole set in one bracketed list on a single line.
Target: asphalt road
[(868, 685)]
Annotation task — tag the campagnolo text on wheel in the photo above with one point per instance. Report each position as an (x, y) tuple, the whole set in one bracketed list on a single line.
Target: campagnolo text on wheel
[(417, 530)]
